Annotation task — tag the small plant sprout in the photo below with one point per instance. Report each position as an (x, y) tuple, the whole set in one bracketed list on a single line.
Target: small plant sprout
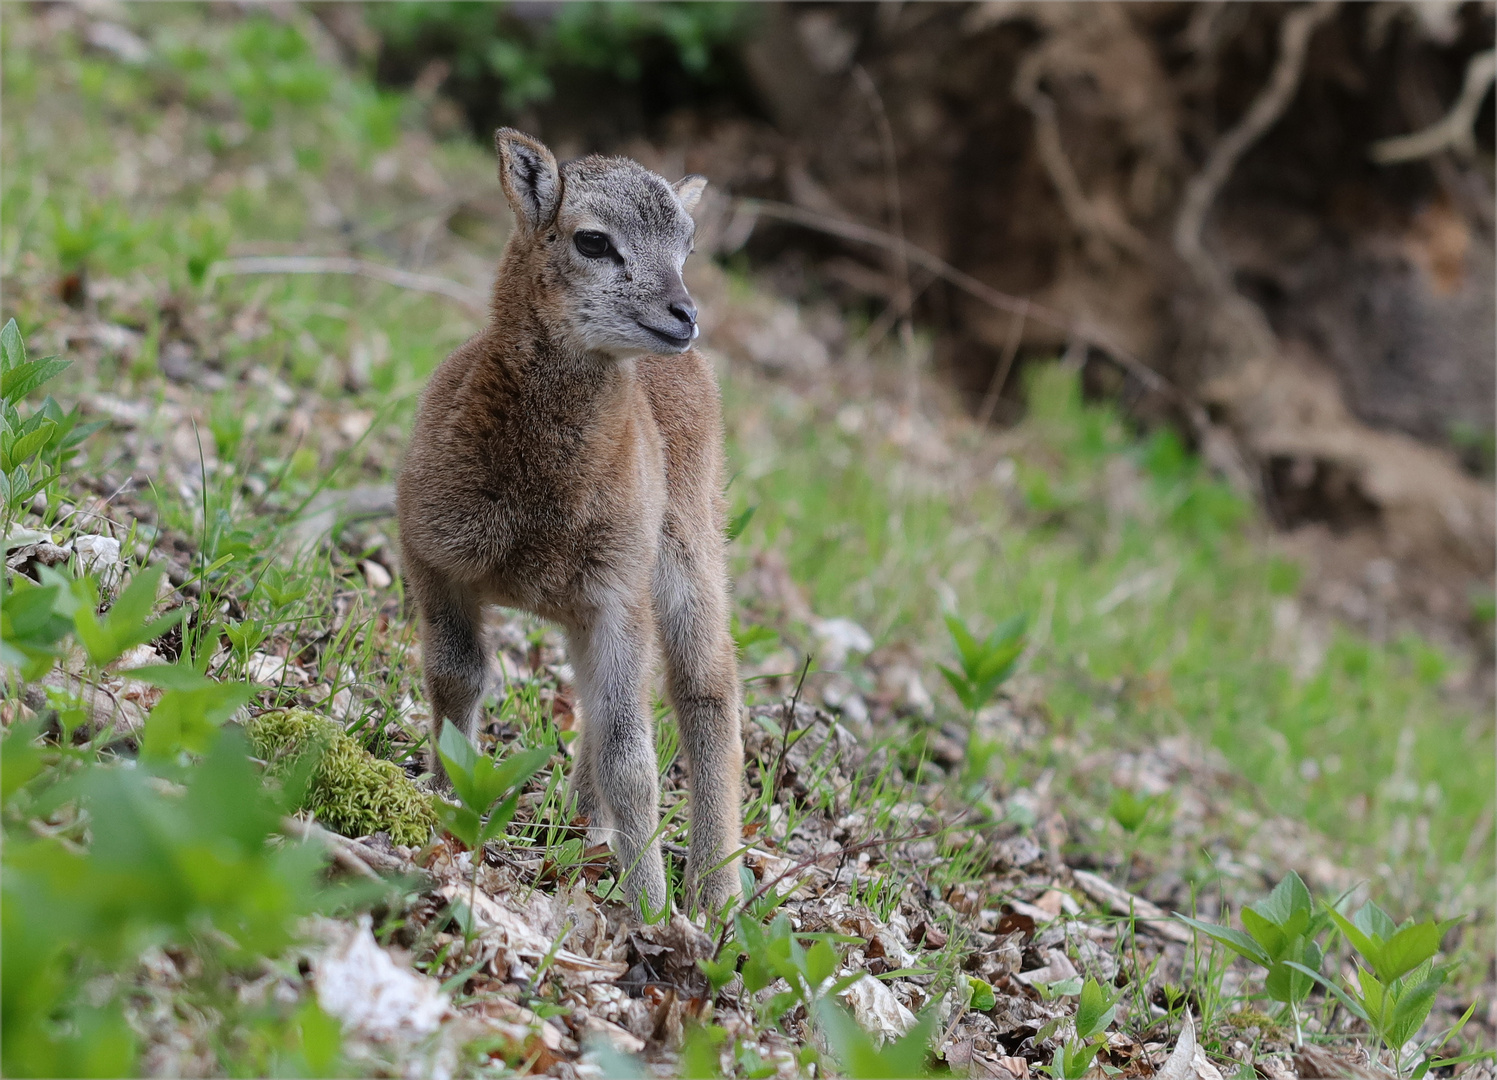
[(1280, 938), (984, 664), (1396, 984), (1138, 816), (479, 782), (33, 448), (1095, 1011)]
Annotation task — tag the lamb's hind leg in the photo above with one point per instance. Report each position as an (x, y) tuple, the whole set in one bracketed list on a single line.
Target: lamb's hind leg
[(610, 648), (702, 677), (453, 653)]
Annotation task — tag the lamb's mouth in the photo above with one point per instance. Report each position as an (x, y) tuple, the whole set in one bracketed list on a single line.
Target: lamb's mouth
[(675, 342)]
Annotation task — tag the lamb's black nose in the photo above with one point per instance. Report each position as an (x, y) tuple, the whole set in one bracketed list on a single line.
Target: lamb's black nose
[(685, 311)]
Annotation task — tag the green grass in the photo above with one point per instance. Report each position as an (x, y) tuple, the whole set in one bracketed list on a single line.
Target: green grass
[(1154, 593)]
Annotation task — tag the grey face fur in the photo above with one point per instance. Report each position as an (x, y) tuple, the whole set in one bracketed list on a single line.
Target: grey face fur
[(615, 237)]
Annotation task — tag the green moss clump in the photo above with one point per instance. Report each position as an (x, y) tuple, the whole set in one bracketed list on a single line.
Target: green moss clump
[(351, 791)]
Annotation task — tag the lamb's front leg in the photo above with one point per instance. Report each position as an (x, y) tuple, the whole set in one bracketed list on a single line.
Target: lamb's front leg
[(610, 647), (701, 665)]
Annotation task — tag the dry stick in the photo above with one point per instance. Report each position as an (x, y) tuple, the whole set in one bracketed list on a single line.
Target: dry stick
[(1000, 373), (1294, 40), (788, 717), (1453, 130), (471, 298)]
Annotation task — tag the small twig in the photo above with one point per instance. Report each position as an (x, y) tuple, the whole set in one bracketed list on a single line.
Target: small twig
[(787, 718), (471, 298), (1294, 40), (1453, 130)]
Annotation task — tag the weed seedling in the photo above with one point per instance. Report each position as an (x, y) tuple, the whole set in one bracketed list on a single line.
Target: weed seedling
[(984, 664), (1280, 938), (1094, 1013), (1397, 981), (479, 782)]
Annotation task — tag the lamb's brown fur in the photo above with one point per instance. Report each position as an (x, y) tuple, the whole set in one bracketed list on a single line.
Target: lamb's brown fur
[(558, 467)]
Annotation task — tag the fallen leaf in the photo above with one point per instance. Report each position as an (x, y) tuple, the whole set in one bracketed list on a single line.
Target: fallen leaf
[(358, 983)]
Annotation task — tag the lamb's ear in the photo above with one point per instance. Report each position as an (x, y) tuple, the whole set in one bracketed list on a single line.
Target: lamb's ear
[(527, 172), (689, 190)]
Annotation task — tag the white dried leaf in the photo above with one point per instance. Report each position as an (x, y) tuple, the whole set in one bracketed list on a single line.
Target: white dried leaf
[(877, 1009), (358, 983)]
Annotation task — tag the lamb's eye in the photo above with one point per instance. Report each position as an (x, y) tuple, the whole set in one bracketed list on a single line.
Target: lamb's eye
[(594, 245)]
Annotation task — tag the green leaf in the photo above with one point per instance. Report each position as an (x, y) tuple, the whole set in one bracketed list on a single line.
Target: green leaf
[(1409, 948), (28, 445), (1287, 984), (1375, 922), (191, 711), (458, 759), (1288, 897), (739, 523), (460, 821), (1235, 940), (965, 692), (1411, 1010), (12, 346), (860, 1058), (1095, 1009), (983, 997), (821, 961), (492, 780), (499, 819), (20, 380), (1371, 950), (1264, 932), (123, 626)]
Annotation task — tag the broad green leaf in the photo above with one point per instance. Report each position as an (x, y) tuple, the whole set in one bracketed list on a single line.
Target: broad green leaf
[(28, 445), (1264, 932), (12, 346), (1095, 1009), (106, 638), (1235, 940), (1287, 984), (20, 380), (458, 759), (821, 961), (1288, 897), (1375, 922), (1409, 948), (963, 688), (191, 711), (966, 644), (499, 819), (861, 1058), (457, 820), (983, 997), (493, 780), (1374, 998), (1412, 1010), (1371, 950)]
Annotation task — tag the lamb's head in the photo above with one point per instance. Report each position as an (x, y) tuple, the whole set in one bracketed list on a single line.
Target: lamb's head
[(604, 239)]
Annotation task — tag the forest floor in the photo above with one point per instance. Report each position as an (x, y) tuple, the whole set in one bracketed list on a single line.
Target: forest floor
[(1181, 728)]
